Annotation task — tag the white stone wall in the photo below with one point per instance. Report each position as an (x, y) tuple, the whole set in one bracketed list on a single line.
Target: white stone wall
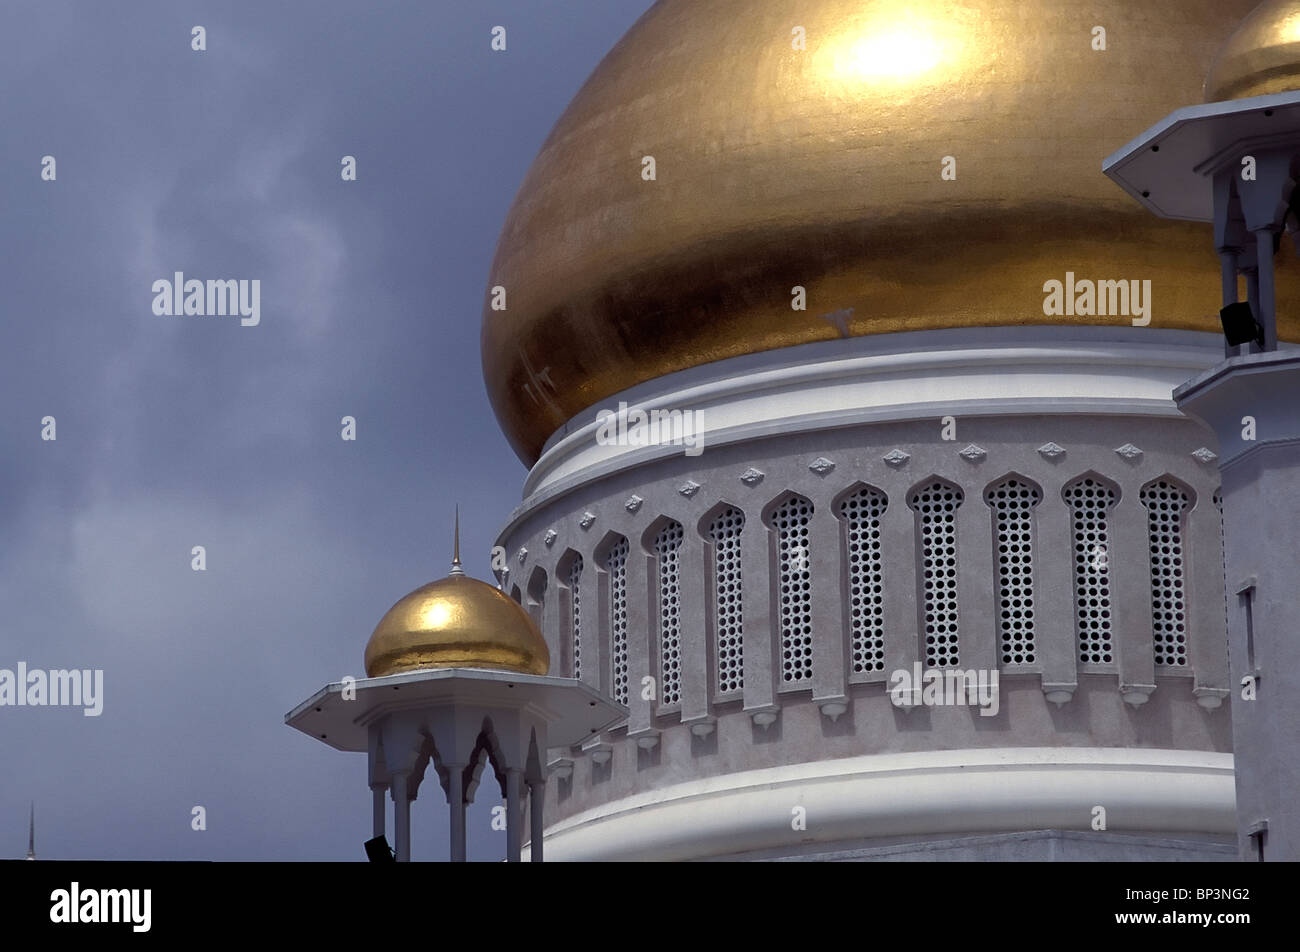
[(813, 677), (594, 521)]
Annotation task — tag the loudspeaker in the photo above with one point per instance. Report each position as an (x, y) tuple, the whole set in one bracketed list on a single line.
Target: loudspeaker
[(1240, 326), (378, 851)]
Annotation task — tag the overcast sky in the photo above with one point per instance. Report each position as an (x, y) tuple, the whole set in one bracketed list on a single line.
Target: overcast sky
[(180, 431)]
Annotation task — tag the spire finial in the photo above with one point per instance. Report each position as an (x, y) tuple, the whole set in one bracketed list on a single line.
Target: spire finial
[(455, 551), (31, 833)]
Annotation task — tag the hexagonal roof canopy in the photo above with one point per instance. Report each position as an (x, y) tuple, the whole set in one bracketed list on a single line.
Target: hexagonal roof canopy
[(1169, 168)]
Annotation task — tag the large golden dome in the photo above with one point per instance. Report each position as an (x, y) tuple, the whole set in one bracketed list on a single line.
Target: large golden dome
[(456, 622), (778, 167), (1261, 57)]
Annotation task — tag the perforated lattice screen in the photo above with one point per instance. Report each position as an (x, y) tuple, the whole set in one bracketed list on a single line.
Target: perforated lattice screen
[(667, 547), (725, 532), (861, 513), (791, 521), (575, 618), (1013, 501), (1090, 502), (616, 566), (936, 506), (1218, 504), (1166, 504)]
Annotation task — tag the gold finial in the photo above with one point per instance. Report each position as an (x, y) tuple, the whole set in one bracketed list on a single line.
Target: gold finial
[(455, 551)]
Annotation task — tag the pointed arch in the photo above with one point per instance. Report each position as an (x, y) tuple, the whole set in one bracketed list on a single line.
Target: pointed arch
[(612, 557), (860, 509), (935, 502), (568, 574), (722, 526), (1090, 498), (789, 518), (1011, 500), (1167, 501), (663, 540), (536, 595)]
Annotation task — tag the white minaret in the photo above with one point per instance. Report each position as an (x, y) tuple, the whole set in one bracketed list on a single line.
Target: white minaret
[(1230, 163), (456, 680)]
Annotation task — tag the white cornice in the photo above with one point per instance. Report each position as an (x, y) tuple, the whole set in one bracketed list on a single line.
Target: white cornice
[(922, 794), (985, 371)]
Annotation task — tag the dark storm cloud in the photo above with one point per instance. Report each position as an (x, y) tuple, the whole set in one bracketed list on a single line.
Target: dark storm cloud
[(183, 431)]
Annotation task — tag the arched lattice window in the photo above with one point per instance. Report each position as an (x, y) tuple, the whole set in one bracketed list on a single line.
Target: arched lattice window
[(936, 508), (536, 596), (1166, 503), (668, 551), (861, 513), (616, 567), (1012, 502), (1223, 555), (790, 520), (724, 532), (1090, 501), (575, 615)]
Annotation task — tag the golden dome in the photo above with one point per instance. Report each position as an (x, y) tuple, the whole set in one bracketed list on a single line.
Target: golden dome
[(456, 622), (1261, 57), (821, 168)]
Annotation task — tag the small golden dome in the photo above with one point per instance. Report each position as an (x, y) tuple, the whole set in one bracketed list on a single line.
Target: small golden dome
[(806, 145), (456, 622), (1261, 57)]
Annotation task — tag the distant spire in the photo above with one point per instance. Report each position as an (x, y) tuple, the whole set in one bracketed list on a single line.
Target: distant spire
[(455, 552), (31, 833)]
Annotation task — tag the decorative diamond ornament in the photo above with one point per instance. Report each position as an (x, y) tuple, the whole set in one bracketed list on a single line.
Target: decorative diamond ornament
[(689, 488), (1205, 454), (550, 537), (751, 476), (1051, 451), (523, 554), (896, 457), (633, 503), (821, 465), (1128, 451), (974, 454), (587, 520)]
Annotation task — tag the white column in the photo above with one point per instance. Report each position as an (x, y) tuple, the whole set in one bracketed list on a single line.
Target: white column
[(758, 619), (1206, 640), (537, 794), (456, 800), (829, 680), (694, 580), (901, 612), (402, 816), (977, 629), (1129, 561), (642, 637), (377, 810), (1055, 641), (514, 815)]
